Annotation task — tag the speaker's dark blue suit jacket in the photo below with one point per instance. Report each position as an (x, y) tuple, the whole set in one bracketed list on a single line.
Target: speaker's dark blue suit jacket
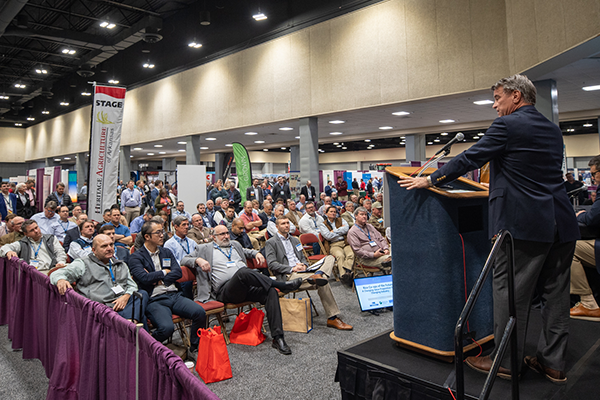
[(143, 271)]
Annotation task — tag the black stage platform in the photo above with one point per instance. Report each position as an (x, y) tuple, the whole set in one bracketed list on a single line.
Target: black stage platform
[(378, 368)]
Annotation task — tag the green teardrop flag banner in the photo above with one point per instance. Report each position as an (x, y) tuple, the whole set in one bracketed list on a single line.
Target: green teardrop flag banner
[(243, 168)]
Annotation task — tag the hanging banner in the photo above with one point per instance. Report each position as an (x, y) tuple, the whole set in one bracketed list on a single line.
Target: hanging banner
[(105, 142), (226, 166), (243, 168)]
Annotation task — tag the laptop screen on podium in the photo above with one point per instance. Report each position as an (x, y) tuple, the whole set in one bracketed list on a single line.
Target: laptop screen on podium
[(374, 292)]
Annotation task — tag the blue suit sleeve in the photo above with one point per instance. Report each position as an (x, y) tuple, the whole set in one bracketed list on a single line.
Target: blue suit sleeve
[(175, 273), (591, 217), (140, 273)]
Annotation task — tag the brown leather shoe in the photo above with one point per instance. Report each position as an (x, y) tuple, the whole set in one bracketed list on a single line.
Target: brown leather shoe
[(484, 364), (339, 324), (581, 312), (317, 279), (552, 375)]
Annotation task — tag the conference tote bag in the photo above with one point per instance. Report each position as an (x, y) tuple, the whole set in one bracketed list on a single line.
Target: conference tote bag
[(213, 363), (296, 315), (247, 328)]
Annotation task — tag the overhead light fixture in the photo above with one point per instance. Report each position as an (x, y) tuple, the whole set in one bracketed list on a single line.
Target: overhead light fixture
[(86, 93), (194, 44), (444, 133), (570, 130), (475, 137), (283, 148), (148, 65), (251, 133), (18, 124), (181, 142), (400, 113), (584, 125), (335, 133), (590, 88), (68, 51), (429, 142), (385, 128), (483, 102), (344, 148), (203, 148), (158, 145), (335, 143), (30, 118), (113, 81), (4, 97), (446, 121), (57, 159), (150, 154), (41, 70), (259, 16), (204, 18), (436, 140), (228, 145), (367, 140), (181, 150), (20, 85), (64, 103), (480, 134), (162, 152), (137, 148), (45, 112), (296, 137), (259, 141), (211, 138), (107, 24), (265, 149), (337, 121), (130, 156), (286, 128), (402, 137), (67, 158)]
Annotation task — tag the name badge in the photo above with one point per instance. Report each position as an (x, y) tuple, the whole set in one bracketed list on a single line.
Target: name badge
[(299, 247), (35, 263), (166, 263), (372, 243), (230, 264), (118, 289), (282, 192), (380, 220)]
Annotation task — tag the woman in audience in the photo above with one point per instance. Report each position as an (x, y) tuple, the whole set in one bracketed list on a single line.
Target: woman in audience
[(164, 203)]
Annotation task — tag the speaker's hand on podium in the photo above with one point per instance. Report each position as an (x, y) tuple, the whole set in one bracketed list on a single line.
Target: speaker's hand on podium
[(413, 183)]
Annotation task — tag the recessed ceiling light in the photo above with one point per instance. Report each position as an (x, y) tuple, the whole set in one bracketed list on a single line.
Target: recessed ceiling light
[(259, 141), (475, 137), (229, 145), (367, 140), (4, 97), (181, 150), (481, 134), (113, 81), (265, 149), (429, 142), (447, 121), (401, 113), (402, 143), (30, 119), (286, 128), (19, 85), (203, 148), (67, 158), (335, 133), (336, 143), (137, 148), (211, 138), (570, 130), (194, 44), (283, 148), (69, 51), (385, 128), (181, 142), (158, 145), (297, 137), (259, 17), (130, 156), (344, 148), (162, 152), (86, 93), (590, 88), (150, 154), (436, 140), (57, 159), (41, 70), (483, 102), (402, 137), (45, 112), (64, 103), (251, 133), (339, 145), (107, 24), (588, 125), (337, 121), (148, 65), (444, 133), (18, 124)]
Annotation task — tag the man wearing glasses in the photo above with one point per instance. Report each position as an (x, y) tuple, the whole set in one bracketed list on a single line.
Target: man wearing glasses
[(222, 274), (156, 270), (585, 256), (47, 218)]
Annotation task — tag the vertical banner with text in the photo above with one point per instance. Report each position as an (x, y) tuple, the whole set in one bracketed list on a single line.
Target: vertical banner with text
[(105, 142)]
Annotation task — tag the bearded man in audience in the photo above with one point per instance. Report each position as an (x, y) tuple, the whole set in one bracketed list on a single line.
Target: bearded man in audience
[(198, 232)]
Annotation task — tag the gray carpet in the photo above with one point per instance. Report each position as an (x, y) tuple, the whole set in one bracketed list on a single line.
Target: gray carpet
[(258, 372)]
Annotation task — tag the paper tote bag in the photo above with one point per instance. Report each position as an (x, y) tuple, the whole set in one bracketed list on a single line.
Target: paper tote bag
[(296, 315), (247, 328), (213, 363)]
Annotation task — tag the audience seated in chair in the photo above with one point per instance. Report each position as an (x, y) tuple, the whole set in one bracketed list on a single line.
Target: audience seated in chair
[(371, 249), (13, 224), (82, 246), (335, 230)]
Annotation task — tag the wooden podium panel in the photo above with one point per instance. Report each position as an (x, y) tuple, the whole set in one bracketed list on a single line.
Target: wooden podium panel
[(439, 245)]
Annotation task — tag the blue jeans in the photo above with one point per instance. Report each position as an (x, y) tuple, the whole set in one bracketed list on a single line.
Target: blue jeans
[(161, 308), (140, 309)]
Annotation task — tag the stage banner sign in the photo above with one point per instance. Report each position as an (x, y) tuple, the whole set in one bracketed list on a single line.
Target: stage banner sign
[(243, 168), (105, 142)]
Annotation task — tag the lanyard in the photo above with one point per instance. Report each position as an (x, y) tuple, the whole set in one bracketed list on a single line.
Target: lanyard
[(230, 250), (180, 241), (36, 251), (315, 222), (62, 226), (366, 233), (112, 275)]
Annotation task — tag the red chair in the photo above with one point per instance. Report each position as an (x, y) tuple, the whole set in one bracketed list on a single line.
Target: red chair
[(187, 275), (215, 308), (307, 239), (254, 264)]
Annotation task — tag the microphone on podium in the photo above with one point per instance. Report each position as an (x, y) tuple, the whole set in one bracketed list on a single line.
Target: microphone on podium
[(459, 137)]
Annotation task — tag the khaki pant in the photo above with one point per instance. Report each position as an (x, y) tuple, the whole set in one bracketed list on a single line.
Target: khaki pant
[(344, 256), (343, 198), (256, 237), (583, 257), (131, 213), (324, 292), (374, 262)]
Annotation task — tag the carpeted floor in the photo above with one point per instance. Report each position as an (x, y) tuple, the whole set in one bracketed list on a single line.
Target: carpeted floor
[(258, 372)]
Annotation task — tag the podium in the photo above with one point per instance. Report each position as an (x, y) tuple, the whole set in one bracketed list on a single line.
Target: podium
[(439, 247)]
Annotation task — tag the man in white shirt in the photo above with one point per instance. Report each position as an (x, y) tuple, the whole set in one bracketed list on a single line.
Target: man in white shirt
[(180, 211), (272, 227), (82, 247), (309, 223), (131, 201), (47, 218), (62, 225), (181, 245), (43, 252)]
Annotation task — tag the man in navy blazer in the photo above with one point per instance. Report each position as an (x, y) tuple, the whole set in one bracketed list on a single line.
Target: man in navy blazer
[(528, 198), (8, 201), (155, 270)]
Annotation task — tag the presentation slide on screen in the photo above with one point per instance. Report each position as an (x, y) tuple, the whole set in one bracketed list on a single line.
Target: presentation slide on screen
[(374, 292)]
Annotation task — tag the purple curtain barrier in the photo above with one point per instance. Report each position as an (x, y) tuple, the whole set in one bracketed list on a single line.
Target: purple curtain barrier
[(87, 350)]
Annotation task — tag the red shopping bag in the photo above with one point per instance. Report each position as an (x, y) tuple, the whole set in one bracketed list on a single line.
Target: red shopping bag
[(213, 360), (247, 328)]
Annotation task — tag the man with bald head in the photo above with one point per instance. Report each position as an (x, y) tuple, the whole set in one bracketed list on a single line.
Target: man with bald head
[(309, 192), (101, 277)]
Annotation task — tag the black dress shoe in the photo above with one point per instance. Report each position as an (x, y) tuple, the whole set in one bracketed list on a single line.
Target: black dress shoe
[(290, 286), (281, 346), (386, 264)]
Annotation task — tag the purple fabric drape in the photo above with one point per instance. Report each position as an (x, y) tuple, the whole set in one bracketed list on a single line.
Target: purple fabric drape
[(87, 350), (39, 188)]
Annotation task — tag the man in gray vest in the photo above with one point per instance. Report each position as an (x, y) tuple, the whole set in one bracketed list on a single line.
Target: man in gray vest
[(43, 252), (101, 277)]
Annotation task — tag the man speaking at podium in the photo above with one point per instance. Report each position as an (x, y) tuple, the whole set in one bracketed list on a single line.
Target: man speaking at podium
[(528, 198)]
